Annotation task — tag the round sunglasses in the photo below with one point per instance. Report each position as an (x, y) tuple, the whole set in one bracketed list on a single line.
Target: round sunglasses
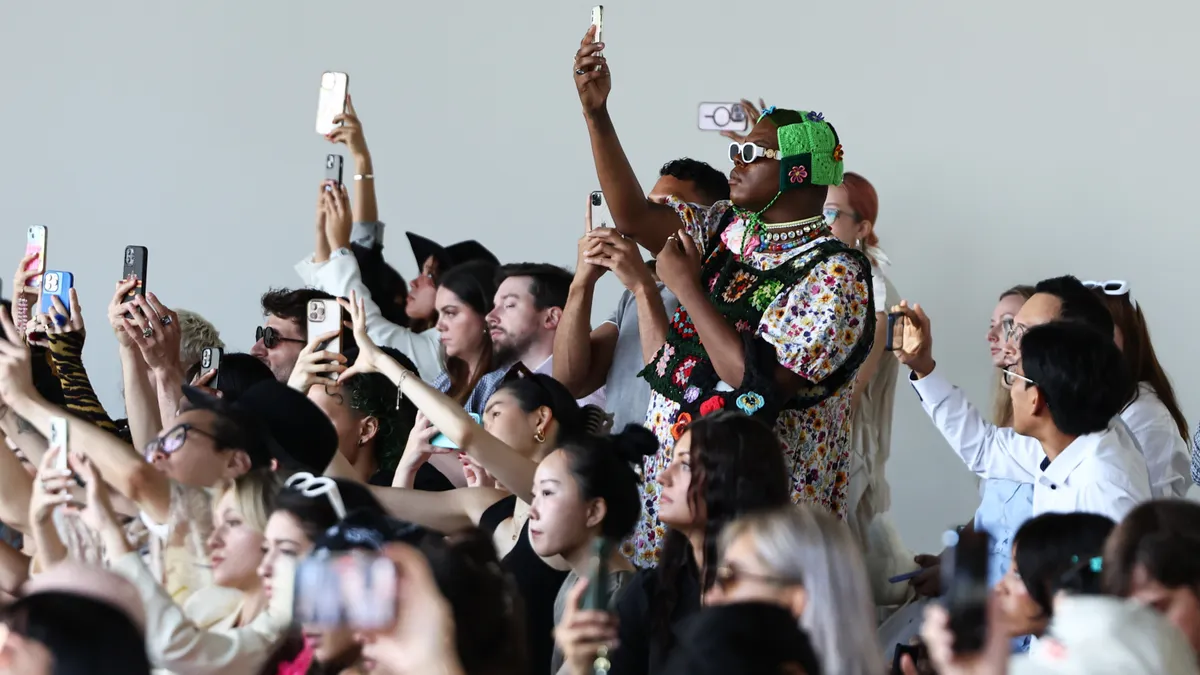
[(271, 337)]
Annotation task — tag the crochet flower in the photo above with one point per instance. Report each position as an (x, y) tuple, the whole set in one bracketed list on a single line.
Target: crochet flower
[(838, 153), (691, 394), (815, 117), (681, 425), (683, 372), (797, 174), (768, 110), (750, 402), (712, 405)]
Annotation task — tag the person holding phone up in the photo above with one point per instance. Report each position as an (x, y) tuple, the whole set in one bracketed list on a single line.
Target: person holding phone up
[(776, 313)]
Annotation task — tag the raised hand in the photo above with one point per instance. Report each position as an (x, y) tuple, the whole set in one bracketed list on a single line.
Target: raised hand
[(370, 356), (118, 308), (16, 366), (314, 365), (915, 348), (752, 114), (587, 272), (351, 131), (51, 487), (21, 281), (338, 216), (678, 263), (582, 635), (609, 250), (155, 330), (592, 83)]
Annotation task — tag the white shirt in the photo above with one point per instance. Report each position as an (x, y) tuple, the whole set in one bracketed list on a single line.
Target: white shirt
[(1165, 449), (340, 275), (1098, 473)]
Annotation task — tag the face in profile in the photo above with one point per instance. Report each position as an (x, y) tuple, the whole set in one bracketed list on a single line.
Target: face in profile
[(503, 418), (753, 186), (1003, 317), (460, 326), (559, 519), (847, 227), (1022, 615), (515, 321), (236, 548), (674, 509), (281, 356), (422, 292)]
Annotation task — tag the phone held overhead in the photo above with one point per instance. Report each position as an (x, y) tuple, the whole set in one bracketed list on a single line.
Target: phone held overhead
[(331, 100)]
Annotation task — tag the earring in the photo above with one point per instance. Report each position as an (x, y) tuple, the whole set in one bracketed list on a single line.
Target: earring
[(858, 243), (539, 437)]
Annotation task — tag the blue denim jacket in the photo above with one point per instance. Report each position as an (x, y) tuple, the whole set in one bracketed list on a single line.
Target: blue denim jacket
[(1004, 506)]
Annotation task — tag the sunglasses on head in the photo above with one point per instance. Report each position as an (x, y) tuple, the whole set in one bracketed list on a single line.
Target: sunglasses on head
[(271, 337), (748, 152)]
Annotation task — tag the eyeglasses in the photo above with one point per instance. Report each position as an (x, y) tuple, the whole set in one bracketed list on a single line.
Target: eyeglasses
[(1010, 378), (271, 337), (314, 486), (832, 214), (728, 575), (174, 439), (748, 152)]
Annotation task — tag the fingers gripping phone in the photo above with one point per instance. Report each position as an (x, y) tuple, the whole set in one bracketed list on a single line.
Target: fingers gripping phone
[(595, 597), (965, 578), (56, 284), (598, 22), (331, 101), (895, 331), (136, 258), (35, 243), (440, 441), (600, 214), (325, 316), (353, 590), (210, 360), (333, 170)]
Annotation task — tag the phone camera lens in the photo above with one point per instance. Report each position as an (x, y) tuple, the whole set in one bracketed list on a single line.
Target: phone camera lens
[(595, 199), (329, 162)]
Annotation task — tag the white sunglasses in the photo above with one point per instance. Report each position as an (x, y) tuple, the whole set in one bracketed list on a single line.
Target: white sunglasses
[(314, 486), (748, 152), (1114, 287)]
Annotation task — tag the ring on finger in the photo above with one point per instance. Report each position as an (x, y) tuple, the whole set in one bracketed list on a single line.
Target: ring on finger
[(166, 320), (147, 332)]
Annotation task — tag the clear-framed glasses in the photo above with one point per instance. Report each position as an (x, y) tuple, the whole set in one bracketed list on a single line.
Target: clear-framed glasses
[(832, 213), (748, 152), (315, 486), (1010, 378), (174, 439)]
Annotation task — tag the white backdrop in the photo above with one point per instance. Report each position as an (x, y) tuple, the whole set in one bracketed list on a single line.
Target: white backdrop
[(1009, 141)]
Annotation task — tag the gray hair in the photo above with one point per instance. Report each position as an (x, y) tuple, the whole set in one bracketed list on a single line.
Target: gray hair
[(197, 333), (801, 542)]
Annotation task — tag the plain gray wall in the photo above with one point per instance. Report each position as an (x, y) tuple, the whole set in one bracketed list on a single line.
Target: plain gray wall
[(1009, 141)]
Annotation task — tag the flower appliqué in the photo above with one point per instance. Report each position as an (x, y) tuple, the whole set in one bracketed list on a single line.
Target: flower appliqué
[(691, 394), (737, 287), (664, 360), (765, 294), (683, 323), (750, 402), (712, 405), (797, 174), (680, 425), (815, 117), (838, 152), (768, 110), (683, 372)]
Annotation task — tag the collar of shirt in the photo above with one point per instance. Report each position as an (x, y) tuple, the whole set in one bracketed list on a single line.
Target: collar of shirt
[(1083, 447)]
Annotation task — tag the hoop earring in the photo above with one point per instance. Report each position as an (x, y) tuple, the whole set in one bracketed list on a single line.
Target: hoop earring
[(539, 437)]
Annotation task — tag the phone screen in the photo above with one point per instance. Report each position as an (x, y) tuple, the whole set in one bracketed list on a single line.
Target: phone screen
[(354, 590)]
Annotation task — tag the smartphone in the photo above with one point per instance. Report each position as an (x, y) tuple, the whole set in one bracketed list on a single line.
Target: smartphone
[(965, 585), (905, 577), (595, 597), (325, 316), (895, 331), (210, 360), (35, 242), (440, 441), (135, 266), (355, 590), (600, 214), (58, 439), (333, 170), (56, 283), (722, 117), (919, 655), (331, 102), (598, 22)]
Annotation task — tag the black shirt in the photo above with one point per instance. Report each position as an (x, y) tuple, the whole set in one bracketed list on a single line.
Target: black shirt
[(641, 652)]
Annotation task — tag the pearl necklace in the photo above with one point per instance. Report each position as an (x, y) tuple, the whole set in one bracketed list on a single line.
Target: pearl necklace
[(798, 233)]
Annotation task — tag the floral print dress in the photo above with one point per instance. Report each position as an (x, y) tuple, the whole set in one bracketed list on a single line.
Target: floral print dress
[(814, 325)]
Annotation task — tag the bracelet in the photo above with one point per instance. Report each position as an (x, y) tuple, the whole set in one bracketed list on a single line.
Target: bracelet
[(364, 176), (399, 387)]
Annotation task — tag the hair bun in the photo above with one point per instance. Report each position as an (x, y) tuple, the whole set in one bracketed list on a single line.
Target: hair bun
[(634, 443), (596, 421)]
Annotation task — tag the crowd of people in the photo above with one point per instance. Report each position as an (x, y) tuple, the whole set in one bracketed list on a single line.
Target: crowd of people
[(470, 477)]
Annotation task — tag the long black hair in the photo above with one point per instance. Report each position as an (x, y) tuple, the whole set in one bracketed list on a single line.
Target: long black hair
[(85, 636), (737, 468)]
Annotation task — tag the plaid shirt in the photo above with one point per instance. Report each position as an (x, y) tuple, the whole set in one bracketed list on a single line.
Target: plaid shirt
[(484, 389)]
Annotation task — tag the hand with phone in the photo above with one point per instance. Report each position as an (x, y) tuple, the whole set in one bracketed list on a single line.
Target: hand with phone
[(16, 365), (51, 487), (350, 131), (678, 263), (315, 364), (592, 78), (915, 348), (587, 274), (61, 320), (417, 451), (751, 114), (98, 514), (29, 270), (118, 309), (338, 217), (154, 328), (583, 634), (620, 254), (939, 642), (928, 581)]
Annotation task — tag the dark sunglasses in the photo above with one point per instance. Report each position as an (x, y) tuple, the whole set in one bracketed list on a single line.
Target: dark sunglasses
[(174, 439), (728, 576), (271, 337)]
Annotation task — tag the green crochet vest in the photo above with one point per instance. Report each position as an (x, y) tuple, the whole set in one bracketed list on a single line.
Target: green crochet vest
[(682, 370)]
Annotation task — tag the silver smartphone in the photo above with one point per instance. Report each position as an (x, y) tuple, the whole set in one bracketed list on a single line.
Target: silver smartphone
[(722, 117), (598, 22), (600, 215), (331, 102), (325, 316), (58, 439)]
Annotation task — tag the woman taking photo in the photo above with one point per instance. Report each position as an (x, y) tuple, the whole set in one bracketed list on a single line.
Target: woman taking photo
[(752, 335), (1153, 416), (725, 466), (522, 421)]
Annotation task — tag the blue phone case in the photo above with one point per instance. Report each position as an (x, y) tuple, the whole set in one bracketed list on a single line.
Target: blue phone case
[(440, 441), (56, 282)]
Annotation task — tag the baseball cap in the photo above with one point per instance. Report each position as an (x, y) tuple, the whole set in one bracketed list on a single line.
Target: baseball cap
[(1100, 635), (275, 422)]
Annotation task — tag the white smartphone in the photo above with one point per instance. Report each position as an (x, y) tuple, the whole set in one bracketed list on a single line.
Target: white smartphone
[(600, 215), (598, 22), (58, 439), (332, 100), (325, 316), (722, 117)]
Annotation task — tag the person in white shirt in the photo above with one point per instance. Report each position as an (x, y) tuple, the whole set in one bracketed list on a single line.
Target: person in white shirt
[(1067, 386), (524, 320)]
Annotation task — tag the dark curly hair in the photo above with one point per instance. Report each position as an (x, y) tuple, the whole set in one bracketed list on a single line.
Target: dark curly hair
[(710, 182), (737, 468)]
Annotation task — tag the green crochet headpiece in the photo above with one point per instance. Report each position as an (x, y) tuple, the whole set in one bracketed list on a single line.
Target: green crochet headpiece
[(809, 150)]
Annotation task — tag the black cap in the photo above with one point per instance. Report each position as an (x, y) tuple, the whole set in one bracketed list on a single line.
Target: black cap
[(275, 422), (449, 256)]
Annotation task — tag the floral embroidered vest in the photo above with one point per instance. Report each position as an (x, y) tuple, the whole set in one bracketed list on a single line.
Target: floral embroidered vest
[(682, 370)]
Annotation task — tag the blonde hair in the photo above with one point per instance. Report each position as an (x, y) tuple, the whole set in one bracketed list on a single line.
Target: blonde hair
[(254, 493), (805, 543), (196, 333), (1002, 410)]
